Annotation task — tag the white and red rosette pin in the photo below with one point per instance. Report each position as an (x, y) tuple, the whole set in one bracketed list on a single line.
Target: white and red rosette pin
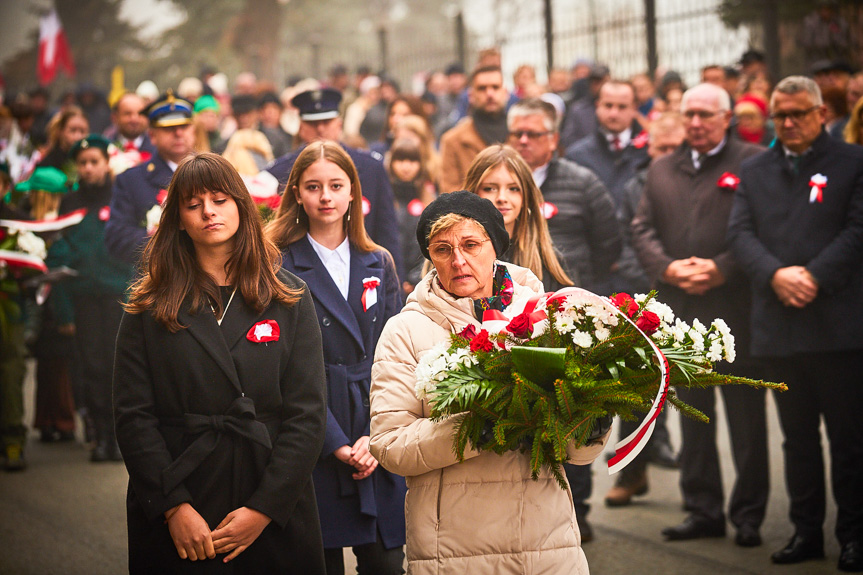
[(370, 292), (264, 331), (367, 206), (818, 182), (728, 181)]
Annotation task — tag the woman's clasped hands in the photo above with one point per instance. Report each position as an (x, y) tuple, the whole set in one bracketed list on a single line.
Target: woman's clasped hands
[(358, 456), (194, 540)]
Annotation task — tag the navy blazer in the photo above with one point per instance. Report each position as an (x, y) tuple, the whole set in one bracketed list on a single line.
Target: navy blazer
[(351, 511), (380, 222), (773, 225), (135, 192)]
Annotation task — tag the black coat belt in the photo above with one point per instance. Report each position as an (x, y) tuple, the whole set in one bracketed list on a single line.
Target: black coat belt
[(239, 421)]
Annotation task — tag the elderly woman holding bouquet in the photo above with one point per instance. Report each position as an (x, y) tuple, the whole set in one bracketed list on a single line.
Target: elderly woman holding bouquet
[(482, 514)]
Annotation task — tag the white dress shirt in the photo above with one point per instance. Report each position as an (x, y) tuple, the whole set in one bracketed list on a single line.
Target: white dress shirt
[(337, 262)]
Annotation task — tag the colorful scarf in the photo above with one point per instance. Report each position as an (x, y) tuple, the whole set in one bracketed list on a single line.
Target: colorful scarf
[(501, 297)]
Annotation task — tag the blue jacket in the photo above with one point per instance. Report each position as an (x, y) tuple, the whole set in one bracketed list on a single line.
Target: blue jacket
[(135, 192), (774, 224), (380, 221), (351, 511)]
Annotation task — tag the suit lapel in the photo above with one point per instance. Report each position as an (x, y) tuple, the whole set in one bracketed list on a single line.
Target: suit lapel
[(324, 290), (364, 265), (239, 319), (203, 327)]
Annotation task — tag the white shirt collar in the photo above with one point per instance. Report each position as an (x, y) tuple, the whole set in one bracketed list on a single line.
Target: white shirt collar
[(696, 155), (540, 174), (624, 137), (337, 262), (172, 165)]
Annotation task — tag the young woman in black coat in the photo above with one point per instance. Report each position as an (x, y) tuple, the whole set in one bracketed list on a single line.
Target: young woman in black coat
[(219, 391)]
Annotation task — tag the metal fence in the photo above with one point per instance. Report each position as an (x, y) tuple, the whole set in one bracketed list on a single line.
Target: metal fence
[(690, 35)]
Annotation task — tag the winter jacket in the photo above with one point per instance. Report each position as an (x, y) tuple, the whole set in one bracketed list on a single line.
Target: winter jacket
[(485, 514)]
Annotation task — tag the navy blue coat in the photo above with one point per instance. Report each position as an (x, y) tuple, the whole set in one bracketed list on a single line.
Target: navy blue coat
[(135, 192), (380, 221), (774, 225), (351, 511)]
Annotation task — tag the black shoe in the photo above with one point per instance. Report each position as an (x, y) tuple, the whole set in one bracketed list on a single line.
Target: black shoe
[(100, 453), (585, 529), (114, 452), (693, 528), (851, 557), (663, 456), (747, 536), (48, 434), (799, 549)]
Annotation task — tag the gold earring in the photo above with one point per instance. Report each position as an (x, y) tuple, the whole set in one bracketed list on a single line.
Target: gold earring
[(349, 210)]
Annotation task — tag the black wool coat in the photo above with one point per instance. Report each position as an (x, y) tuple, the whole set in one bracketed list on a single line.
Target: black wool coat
[(210, 417)]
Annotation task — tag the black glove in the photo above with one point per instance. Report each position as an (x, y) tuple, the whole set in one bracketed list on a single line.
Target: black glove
[(600, 428)]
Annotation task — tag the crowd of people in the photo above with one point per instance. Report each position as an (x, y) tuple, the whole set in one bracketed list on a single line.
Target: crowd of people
[(353, 226)]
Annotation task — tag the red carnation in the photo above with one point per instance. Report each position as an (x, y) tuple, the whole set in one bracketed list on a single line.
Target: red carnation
[(274, 201), (520, 326), (648, 322), (468, 333), (625, 303), (161, 197), (481, 342)]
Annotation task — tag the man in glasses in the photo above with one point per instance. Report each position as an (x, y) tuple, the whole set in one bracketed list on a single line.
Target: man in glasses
[(679, 236), (797, 231), (582, 224)]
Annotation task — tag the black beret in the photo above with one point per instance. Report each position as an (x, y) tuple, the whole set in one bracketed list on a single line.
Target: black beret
[(469, 205)]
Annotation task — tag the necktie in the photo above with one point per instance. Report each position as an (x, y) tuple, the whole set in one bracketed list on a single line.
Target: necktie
[(795, 164), (615, 144)]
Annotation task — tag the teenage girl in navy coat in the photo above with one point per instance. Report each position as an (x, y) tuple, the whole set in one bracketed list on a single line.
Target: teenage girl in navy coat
[(355, 292)]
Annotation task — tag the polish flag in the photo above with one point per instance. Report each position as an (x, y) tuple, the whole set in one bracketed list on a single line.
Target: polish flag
[(53, 49)]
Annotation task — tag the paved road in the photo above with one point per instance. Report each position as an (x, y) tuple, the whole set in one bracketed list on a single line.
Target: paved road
[(65, 515)]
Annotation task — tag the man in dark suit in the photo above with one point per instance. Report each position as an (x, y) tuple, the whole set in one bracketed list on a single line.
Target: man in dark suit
[(679, 236), (320, 120), (797, 230), (136, 189)]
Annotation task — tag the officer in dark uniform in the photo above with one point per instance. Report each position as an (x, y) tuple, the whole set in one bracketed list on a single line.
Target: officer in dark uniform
[(136, 189), (320, 120)]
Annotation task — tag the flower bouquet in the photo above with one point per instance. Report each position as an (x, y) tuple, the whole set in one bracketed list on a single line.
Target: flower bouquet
[(538, 377)]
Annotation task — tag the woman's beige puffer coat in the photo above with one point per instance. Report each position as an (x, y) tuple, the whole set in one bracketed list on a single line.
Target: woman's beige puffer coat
[(484, 515)]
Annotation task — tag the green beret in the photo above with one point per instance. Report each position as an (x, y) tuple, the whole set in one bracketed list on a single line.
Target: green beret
[(91, 141), (206, 102), (46, 179)]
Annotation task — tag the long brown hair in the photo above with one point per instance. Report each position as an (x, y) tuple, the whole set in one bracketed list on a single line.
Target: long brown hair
[(171, 272), (291, 222), (58, 123), (531, 242)]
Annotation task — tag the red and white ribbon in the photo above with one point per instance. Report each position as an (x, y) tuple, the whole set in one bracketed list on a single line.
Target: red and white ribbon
[(370, 292), (628, 448), (818, 183), (60, 223), (20, 259)]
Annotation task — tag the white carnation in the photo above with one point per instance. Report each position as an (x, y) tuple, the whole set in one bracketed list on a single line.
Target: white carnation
[(32, 244), (582, 338)]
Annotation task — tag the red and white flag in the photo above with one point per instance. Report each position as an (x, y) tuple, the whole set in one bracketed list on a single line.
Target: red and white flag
[(54, 51)]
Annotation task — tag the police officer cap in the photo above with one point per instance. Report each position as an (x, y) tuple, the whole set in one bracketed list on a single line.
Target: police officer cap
[(468, 205), (169, 111), (322, 104)]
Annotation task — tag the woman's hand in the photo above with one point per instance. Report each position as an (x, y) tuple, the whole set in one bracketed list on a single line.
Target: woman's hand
[(190, 533), (239, 529), (362, 459)]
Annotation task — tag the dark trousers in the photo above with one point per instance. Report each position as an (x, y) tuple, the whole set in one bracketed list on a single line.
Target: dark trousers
[(372, 559), (700, 473), (580, 478), (824, 385), (97, 320)]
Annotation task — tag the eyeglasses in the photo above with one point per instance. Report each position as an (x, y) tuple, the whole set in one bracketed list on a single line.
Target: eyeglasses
[(702, 114), (795, 116), (442, 251), (530, 135)]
